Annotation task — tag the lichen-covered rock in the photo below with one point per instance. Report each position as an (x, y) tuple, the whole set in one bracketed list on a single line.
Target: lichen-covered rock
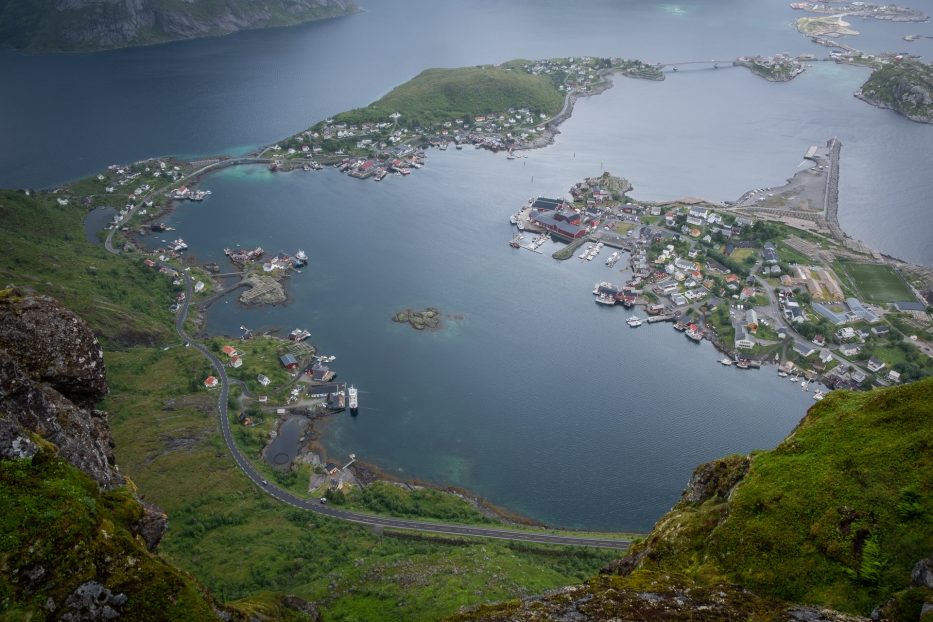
[(655, 597), (715, 480), (152, 525), (922, 573), (53, 345), (81, 434), (296, 603), (92, 601)]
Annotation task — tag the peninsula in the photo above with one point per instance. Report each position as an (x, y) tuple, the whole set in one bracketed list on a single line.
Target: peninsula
[(508, 107)]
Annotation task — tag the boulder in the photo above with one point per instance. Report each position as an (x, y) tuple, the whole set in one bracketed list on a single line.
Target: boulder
[(53, 345)]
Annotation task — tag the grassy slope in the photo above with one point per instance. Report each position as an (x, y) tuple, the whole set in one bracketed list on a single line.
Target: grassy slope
[(836, 516), (858, 469), (437, 95), (54, 517), (45, 250), (39, 25), (240, 542)]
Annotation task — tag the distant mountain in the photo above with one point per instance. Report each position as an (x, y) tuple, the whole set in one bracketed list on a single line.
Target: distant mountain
[(80, 25)]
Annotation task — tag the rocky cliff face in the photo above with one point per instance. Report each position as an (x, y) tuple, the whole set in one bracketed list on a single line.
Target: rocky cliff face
[(98, 24), (75, 542), (51, 374)]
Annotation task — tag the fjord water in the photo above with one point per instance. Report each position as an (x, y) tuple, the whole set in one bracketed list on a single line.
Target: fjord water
[(538, 399), (64, 116)]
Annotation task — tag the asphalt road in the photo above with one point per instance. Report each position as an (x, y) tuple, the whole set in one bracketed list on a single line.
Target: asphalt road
[(315, 505)]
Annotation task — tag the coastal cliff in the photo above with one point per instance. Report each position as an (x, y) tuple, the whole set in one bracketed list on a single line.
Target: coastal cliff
[(84, 25), (832, 525), (75, 540), (905, 87)]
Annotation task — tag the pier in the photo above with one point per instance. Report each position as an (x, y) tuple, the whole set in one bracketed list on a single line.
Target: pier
[(652, 319)]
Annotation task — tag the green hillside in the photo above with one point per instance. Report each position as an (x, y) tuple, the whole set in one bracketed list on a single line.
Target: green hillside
[(45, 250), (437, 95), (836, 516)]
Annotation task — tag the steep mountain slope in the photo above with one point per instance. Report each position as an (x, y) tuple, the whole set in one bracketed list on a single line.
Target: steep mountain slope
[(75, 542), (836, 516), (71, 25)]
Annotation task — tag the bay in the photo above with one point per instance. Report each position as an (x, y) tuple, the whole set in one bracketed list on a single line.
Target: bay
[(65, 116), (537, 398)]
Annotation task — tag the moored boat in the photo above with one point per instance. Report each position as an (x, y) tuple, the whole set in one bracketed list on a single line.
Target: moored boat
[(299, 334), (353, 399), (634, 321)]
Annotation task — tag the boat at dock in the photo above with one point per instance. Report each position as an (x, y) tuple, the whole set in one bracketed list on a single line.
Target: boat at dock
[(693, 333), (634, 321), (513, 219), (818, 395), (680, 326), (726, 361), (299, 334), (742, 364), (782, 373), (353, 399), (178, 245)]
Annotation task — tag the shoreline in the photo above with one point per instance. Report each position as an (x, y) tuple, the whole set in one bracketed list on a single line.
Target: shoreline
[(212, 165), (367, 473)]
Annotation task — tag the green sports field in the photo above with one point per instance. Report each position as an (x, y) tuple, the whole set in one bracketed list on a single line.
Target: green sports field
[(877, 283)]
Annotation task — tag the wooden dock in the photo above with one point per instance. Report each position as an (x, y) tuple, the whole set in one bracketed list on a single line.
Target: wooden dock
[(660, 318)]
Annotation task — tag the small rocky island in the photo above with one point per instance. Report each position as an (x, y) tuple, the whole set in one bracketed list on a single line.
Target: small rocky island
[(430, 318), (905, 87)]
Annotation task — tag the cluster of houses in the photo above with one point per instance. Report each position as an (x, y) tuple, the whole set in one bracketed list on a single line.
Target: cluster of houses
[(491, 130)]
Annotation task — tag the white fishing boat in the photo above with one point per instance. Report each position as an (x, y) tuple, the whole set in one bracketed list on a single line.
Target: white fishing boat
[(634, 322)]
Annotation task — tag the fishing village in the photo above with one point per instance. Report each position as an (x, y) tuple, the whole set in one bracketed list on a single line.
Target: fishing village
[(762, 287)]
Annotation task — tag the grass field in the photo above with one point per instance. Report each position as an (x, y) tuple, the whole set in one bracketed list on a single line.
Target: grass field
[(437, 95), (240, 542), (741, 254), (877, 283)]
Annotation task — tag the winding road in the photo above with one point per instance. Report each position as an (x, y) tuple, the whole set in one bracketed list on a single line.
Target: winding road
[(313, 505)]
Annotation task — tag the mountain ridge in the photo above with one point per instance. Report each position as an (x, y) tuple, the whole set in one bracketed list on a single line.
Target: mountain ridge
[(89, 25)]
